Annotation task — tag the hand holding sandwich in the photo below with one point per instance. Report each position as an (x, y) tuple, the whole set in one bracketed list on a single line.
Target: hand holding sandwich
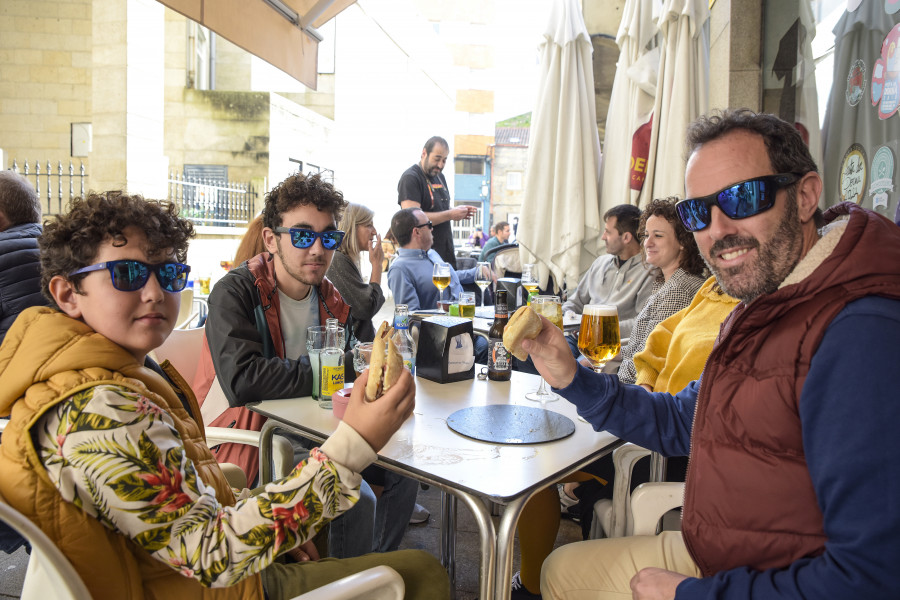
[(377, 421), (529, 333)]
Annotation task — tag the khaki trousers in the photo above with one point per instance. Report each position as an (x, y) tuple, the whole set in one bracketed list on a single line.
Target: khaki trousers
[(602, 569)]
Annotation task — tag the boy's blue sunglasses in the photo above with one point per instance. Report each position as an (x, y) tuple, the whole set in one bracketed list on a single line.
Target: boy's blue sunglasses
[(304, 238), (132, 275), (738, 201)]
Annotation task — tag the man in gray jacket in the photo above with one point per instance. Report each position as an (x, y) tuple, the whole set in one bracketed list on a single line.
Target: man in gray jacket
[(618, 277)]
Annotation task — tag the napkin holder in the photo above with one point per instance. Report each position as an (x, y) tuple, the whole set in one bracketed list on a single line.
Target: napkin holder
[(434, 348)]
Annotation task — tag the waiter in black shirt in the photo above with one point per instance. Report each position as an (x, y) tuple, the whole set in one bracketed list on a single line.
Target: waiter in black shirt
[(423, 186)]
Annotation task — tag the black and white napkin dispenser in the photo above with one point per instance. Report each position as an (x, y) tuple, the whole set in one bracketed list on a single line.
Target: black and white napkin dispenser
[(446, 349)]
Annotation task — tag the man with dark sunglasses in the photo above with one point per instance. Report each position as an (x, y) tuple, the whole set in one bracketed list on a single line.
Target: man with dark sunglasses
[(259, 313), (409, 275), (792, 482)]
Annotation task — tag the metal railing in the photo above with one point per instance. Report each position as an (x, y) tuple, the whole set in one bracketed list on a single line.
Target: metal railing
[(51, 195), (205, 202)]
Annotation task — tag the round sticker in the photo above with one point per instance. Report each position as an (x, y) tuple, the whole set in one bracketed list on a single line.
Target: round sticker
[(886, 76), (856, 82), (891, 6), (853, 174)]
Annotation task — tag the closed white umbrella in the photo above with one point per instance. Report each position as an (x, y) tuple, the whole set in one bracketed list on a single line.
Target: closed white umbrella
[(560, 224), (682, 93), (630, 103)]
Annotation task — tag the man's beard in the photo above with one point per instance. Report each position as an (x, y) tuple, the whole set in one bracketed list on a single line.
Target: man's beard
[(774, 261), (297, 274)]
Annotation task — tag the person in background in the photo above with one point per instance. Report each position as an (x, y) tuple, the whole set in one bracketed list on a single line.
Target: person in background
[(501, 235), (774, 508), (409, 276), (20, 272), (104, 451), (618, 277), (423, 186), (677, 269), (389, 247), (20, 266), (345, 272), (255, 346), (476, 238), (252, 242)]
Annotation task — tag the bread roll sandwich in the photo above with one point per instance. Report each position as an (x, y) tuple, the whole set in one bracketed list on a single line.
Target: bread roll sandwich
[(384, 367), (524, 324)]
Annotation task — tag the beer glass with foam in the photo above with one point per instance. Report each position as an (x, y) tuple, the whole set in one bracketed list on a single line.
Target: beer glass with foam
[(598, 339), (440, 276)]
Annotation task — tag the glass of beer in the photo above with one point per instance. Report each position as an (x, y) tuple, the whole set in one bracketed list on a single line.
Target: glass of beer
[(440, 276), (551, 308), (467, 305), (598, 340)]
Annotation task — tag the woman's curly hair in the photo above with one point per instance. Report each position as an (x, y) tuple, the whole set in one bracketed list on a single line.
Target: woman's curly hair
[(300, 190), (691, 261), (71, 241)]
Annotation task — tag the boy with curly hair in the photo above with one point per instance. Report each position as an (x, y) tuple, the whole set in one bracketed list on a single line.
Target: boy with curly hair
[(105, 451)]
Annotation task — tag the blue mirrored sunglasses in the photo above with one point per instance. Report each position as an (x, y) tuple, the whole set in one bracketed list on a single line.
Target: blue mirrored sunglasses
[(132, 275), (738, 201), (304, 238)]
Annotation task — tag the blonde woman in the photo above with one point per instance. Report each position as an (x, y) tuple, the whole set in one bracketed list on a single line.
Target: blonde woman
[(365, 299)]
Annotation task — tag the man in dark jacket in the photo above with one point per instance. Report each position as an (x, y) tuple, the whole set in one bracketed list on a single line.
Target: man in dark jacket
[(20, 267), (792, 483), (20, 270), (256, 346)]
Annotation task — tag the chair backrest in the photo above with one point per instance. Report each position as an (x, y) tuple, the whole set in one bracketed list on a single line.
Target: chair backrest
[(377, 583), (50, 575), (182, 348), (465, 262), (186, 310)]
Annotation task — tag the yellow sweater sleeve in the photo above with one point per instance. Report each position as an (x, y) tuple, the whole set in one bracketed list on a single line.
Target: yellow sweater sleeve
[(650, 361)]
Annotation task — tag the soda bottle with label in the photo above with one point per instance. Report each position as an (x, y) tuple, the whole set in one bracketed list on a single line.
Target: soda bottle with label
[(331, 364), (403, 338), (499, 359)]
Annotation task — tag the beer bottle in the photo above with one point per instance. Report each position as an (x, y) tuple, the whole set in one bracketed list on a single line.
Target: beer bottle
[(499, 360)]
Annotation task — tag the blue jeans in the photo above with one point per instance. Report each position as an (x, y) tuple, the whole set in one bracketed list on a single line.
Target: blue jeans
[(352, 533), (393, 511)]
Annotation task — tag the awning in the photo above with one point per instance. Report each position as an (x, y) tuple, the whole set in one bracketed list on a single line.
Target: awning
[(281, 32)]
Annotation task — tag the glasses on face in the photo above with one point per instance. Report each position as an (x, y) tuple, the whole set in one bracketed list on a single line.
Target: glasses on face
[(738, 201), (304, 238), (132, 275), (427, 224)]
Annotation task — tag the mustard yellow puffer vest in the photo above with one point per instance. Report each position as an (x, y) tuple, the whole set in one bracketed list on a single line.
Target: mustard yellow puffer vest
[(45, 358)]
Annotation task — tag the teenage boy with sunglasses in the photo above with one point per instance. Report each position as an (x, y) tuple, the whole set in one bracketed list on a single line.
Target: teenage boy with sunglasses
[(103, 451), (256, 346), (793, 481)]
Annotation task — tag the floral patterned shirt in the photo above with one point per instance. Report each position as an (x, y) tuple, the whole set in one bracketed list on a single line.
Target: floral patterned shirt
[(117, 455)]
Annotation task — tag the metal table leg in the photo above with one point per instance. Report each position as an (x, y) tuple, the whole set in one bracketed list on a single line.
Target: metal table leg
[(448, 538)]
